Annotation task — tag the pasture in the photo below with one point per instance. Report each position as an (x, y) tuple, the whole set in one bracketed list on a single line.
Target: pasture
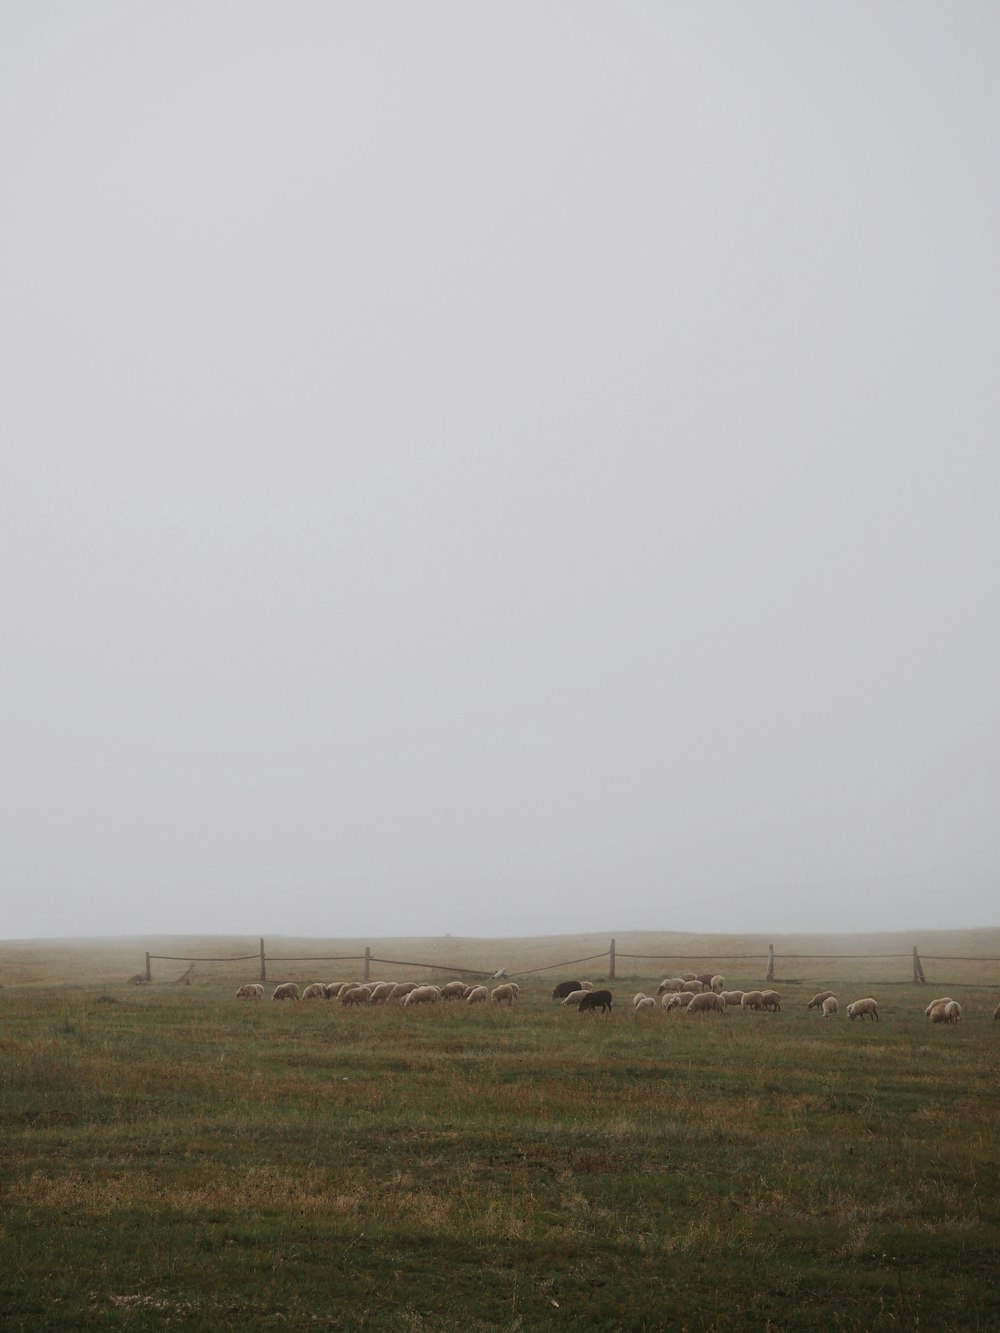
[(172, 1157)]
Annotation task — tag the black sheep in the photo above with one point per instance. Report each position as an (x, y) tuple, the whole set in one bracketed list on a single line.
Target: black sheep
[(597, 999)]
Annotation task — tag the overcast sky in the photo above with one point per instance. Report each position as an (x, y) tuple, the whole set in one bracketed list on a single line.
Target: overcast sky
[(500, 469)]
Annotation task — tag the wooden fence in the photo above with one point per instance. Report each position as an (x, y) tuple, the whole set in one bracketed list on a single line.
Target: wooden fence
[(612, 956)]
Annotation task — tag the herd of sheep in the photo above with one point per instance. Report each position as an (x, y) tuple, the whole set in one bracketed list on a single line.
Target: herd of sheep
[(693, 993)]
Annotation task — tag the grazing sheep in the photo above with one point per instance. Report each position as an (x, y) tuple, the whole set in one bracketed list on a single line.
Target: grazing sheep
[(423, 995), (939, 1013), (772, 1000), (454, 990), (689, 976), (586, 985), (596, 999), (574, 997), (944, 999), (675, 1000), (670, 984), (707, 1002), (646, 1005), (477, 994), (733, 997), (953, 1011), (830, 1006), (314, 991), (286, 991), (705, 978), (692, 987), (253, 990), (717, 984), (817, 1000), (859, 1008), (333, 988), (354, 994), (381, 991), (636, 998), (565, 988), (401, 990), (752, 999), (506, 992)]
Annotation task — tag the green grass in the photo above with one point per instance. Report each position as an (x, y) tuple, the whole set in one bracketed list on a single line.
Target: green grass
[(170, 1157)]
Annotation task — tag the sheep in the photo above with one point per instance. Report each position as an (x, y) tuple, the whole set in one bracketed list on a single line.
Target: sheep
[(574, 997), (670, 984), (717, 984), (830, 1007), (314, 991), (454, 990), (565, 988), (689, 976), (646, 1005), (939, 1013), (354, 994), (596, 999), (817, 1000), (423, 995), (707, 1002), (380, 992), (253, 990), (586, 985), (286, 991), (705, 978), (732, 996), (772, 1000), (333, 988), (476, 995), (859, 1008), (752, 999), (401, 990), (506, 992), (636, 998), (692, 987), (943, 999), (675, 1000), (953, 1011)]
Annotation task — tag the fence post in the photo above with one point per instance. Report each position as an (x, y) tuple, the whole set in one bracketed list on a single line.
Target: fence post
[(149, 974), (611, 961), (368, 959), (918, 971), (770, 963), (263, 964)]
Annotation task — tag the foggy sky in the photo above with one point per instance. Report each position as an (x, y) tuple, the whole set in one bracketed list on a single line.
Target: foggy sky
[(499, 468)]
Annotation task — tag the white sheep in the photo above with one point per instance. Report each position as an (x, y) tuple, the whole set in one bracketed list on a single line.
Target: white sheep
[(953, 1010), (670, 984), (574, 997), (817, 1000), (752, 999), (453, 990), (477, 994), (423, 995), (707, 1002), (939, 1013), (717, 984), (380, 992), (675, 1000), (771, 999), (288, 990), (861, 1008), (733, 997), (830, 1007), (689, 976), (942, 999), (355, 994), (314, 991), (646, 1005), (334, 988), (692, 987), (400, 991), (253, 990), (505, 993), (641, 995)]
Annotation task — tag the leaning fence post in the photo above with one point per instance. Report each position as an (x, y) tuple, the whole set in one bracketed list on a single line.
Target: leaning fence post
[(770, 963), (611, 961), (149, 975), (263, 964), (368, 960), (918, 971)]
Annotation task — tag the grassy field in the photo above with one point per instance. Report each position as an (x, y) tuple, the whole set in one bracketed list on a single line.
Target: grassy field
[(170, 1157)]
